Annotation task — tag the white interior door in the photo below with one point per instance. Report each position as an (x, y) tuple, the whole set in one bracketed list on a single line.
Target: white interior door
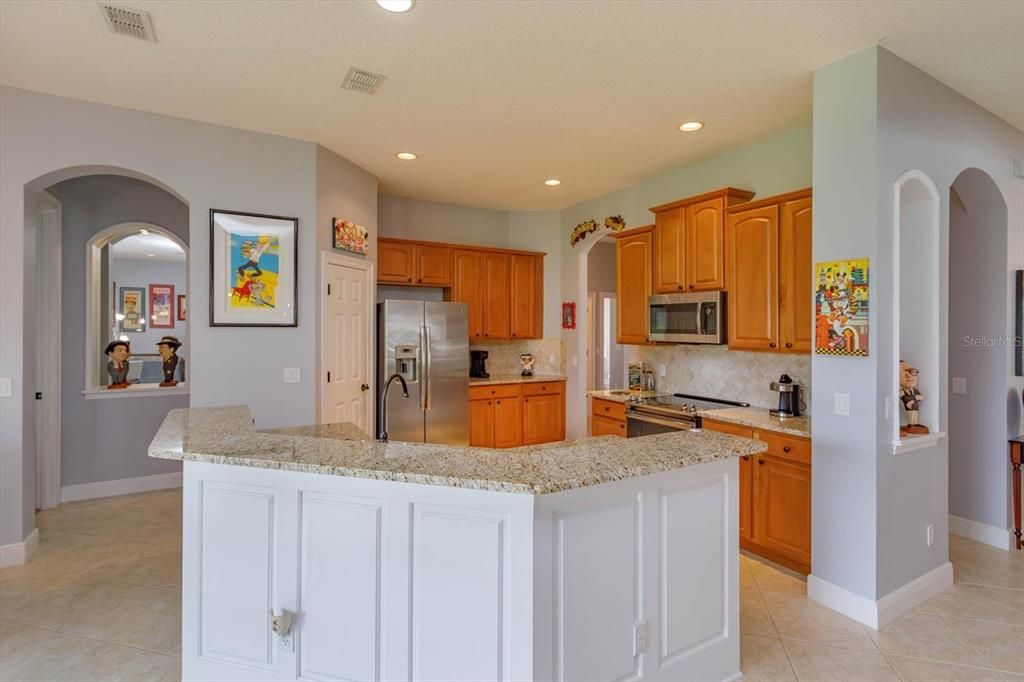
[(347, 342)]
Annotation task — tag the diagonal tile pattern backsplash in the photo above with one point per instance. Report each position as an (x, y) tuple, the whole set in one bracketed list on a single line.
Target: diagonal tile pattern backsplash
[(503, 356)]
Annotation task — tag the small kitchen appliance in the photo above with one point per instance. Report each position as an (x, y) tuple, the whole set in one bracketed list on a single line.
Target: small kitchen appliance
[(791, 403), (692, 317), (526, 361), (478, 364)]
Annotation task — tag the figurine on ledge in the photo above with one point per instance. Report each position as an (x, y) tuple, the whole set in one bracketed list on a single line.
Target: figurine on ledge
[(911, 399), (117, 366), (168, 348)]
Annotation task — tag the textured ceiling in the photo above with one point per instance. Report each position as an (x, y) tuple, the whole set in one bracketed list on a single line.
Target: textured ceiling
[(496, 96)]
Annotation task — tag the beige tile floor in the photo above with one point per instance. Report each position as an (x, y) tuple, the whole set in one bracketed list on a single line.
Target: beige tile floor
[(100, 601)]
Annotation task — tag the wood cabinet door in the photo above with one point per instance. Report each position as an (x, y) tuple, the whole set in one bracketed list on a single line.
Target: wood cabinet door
[(752, 261), (496, 284), (395, 262), (603, 426), (525, 296), (796, 277), (508, 422), (468, 288), (782, 507), (746, 497), (669, 246), (705, 245), (481, 423), (633, 284), (543, 419), (434, 265)]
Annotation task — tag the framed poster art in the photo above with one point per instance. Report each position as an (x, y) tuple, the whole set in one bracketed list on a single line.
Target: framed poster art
[(253, 270), (348, 236), (841, 300), (182, 313), (569, 315), (132, 309), (161, 306)]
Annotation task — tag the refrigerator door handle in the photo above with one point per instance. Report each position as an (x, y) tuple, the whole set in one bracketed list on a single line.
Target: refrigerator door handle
[(425, 382)]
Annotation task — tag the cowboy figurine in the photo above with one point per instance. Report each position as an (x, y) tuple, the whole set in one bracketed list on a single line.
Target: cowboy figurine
[(911, 398), (117, 366), (168, 348)]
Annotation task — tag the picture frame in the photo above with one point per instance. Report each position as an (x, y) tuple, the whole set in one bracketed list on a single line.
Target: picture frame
[(569, 315), (254, 262), (161, 306), (1018, 358), (131, 310), (182, 313), (348, 236)]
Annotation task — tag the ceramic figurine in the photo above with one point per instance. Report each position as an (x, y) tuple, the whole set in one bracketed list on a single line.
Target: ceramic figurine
[(911, 399), (117, 366), (168, 348), (526, 361)]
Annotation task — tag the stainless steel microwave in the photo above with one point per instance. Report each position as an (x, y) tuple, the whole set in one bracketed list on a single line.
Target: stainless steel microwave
[(697, 317)]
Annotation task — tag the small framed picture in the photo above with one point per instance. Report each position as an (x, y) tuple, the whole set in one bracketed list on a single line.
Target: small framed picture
[(350, 237), (161, 306), (182, 314), (132, 309), (253, 270), (569, 315), (1018, 361)]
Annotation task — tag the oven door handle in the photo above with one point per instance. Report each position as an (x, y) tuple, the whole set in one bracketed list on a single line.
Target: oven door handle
[(671, 423)]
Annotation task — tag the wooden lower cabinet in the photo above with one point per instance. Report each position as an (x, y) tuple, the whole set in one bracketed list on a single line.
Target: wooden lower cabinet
[(775, 497), (510, 415), (607, 418)]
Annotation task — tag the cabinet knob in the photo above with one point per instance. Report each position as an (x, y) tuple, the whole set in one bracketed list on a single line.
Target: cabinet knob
[(691, 286), (786, 448), (680, 286), (771, 345), (760, 461), (789, 345), (420, 279), (492, 391), (488, 402), (526, 400), (513, 334), (746, 458), (409, 280), (543, 388), (607, 409), (497, 402)]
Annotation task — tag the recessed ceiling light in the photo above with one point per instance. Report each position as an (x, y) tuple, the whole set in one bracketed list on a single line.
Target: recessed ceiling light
[(396, 5), (150, 255), (406, 156), (691, 126), (553, 182)]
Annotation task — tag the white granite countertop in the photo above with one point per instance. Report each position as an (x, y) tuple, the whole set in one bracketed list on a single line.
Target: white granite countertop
[(760, 418), (225, 435), (514, 379), (618, 396)]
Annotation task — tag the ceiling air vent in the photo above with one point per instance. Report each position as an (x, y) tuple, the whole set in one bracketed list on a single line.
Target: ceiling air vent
[(361, 81), (128, 21)]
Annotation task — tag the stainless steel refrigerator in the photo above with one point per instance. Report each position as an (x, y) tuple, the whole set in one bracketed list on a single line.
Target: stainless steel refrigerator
[(427, 342)]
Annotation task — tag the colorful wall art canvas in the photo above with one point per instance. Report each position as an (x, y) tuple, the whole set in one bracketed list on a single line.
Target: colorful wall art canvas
[(161, 306), (841, 298), (349, 236), (132, 309), (253, 263)]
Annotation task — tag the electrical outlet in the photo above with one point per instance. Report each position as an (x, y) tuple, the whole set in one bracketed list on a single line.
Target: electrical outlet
[(888, 408), (960, 385), (929, 535), (292, 375), (552, 359), (6, 387), (575, 361), (639, 638), (661, 370), (842, 407)]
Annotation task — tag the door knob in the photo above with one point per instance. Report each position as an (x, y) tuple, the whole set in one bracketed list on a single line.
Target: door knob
[(364, 387)]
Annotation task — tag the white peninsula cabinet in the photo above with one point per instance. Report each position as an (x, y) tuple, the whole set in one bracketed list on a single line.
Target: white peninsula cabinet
[(598, 559)]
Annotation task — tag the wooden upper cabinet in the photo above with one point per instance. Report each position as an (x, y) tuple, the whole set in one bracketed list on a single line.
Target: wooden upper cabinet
[(633, 284), (753, 265), (527, 296), (705, 245), (468, 287), (434, 265), (396, 262), (496, 285), (669, 260), (796, 276)]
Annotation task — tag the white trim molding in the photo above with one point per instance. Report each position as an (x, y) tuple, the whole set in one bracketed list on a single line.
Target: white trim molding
[(120, 486), (18, 553), (878, 614), (980, 532), (135, 391)]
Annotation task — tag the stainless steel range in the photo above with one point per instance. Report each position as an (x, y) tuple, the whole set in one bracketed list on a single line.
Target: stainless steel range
[(677, 412)]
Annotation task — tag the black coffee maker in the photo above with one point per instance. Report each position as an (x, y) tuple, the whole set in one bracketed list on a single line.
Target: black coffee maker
[(477, 364), (791, 403)]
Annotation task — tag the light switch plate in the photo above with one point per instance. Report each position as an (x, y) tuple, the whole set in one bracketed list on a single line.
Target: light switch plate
[(960, 385), (842, 404), (292, 375), (661, 370), (6, 387)]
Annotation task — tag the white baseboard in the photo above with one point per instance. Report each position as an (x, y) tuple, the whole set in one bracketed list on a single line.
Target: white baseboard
[(19, 552), (887, 609), (980, 532), (120, 486)]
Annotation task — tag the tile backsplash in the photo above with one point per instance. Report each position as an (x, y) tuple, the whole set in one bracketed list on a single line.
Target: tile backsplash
[(717, 372), (503, 356)]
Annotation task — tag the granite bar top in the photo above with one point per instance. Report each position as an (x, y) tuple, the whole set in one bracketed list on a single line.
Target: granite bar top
[(620, 395), (760, 418), (226, 435), (495, 379)]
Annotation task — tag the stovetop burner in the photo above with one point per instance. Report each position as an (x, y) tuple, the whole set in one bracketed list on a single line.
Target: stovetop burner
[(683, 404)]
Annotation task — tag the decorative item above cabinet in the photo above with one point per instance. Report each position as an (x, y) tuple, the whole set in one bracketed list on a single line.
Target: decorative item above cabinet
[(689, 241), (503, 288)]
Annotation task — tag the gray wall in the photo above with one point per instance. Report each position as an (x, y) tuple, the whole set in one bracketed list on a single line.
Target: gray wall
[(432, 221), (103, 440), (601, 264)]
